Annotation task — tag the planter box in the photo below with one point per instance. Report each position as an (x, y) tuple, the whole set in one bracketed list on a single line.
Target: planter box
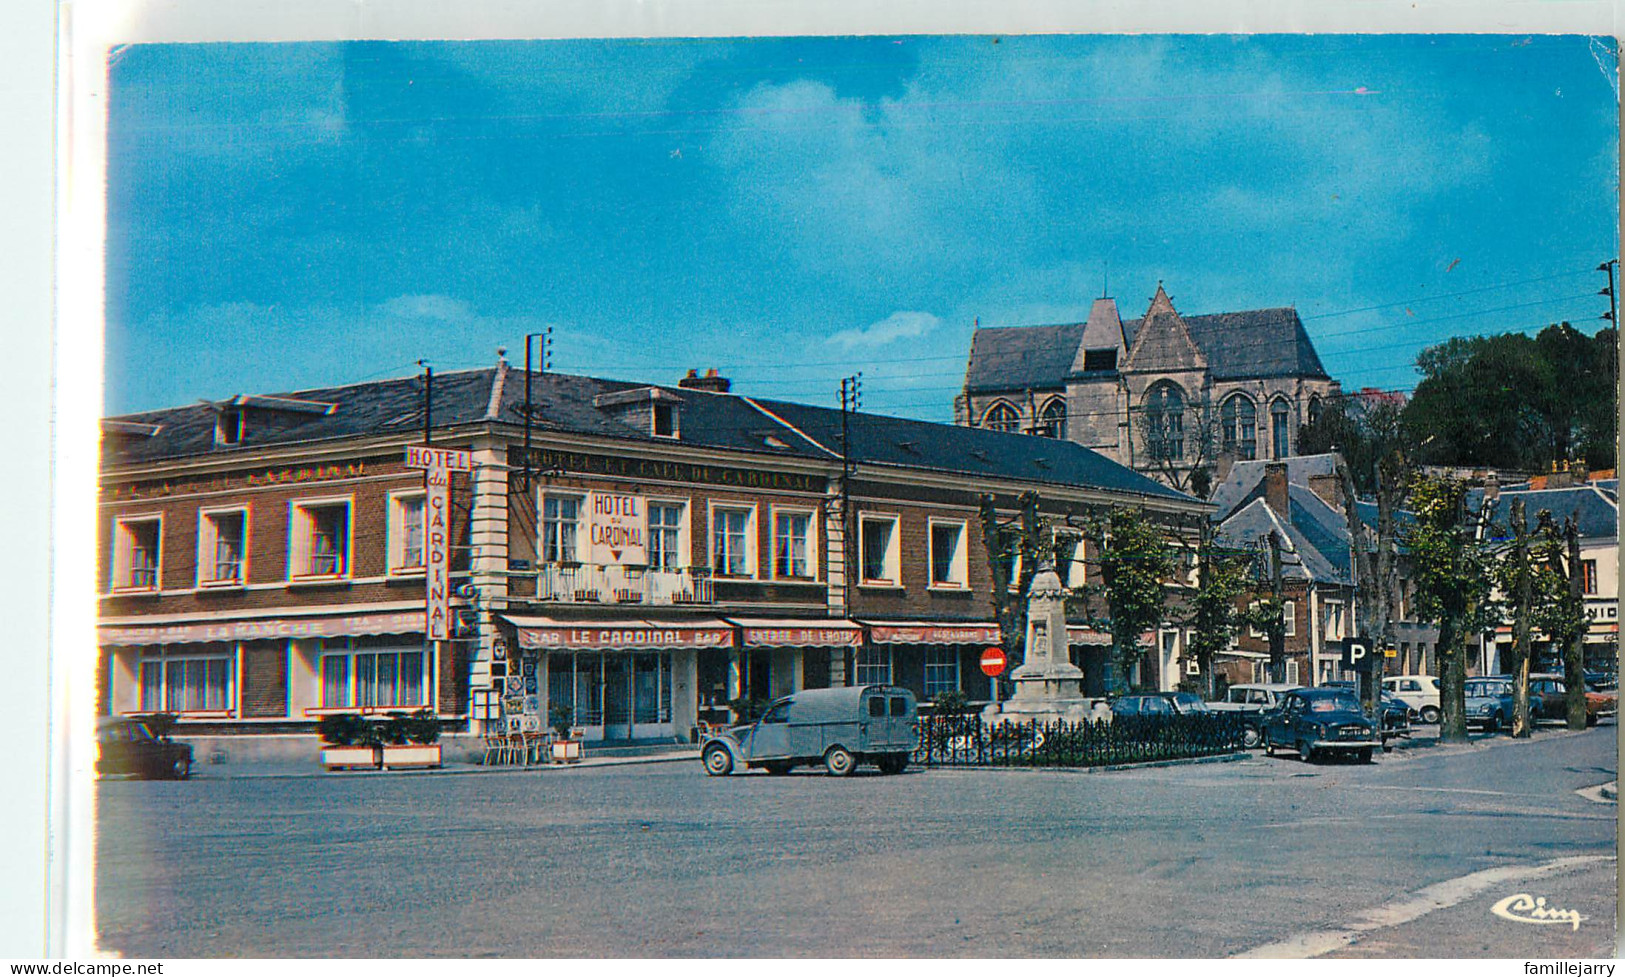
[(566, 751), (351, 757), (411, 755)]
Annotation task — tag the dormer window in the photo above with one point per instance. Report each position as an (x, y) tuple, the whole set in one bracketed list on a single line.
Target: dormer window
[(1099, 360), (665, 420), (228, 426)]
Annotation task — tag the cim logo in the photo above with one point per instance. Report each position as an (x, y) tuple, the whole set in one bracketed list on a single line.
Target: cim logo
[(1525, 908)]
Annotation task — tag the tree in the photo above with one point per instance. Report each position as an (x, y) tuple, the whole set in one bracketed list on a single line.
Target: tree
[(1134, 561), (1561, 614), (1179, 440), (1518, 401), (1004, 541), (1517, 575), (1221, 579), (1452, 567)]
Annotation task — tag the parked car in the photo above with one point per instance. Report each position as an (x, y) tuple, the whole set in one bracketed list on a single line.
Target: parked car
[(1253, 700), (127, 747), (1321, 722), (1489, 702), (1549, 691), (1142, 705), (1419, 692), (1186, 703), (1396, 715), (840, 728), (1599, 681)]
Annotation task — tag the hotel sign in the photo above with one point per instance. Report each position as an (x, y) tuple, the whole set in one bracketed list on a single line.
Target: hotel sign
[(617, 529), (437, 465), (646, 469)]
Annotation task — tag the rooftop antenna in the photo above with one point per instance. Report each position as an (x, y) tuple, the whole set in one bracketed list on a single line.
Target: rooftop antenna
[(1105, 278)]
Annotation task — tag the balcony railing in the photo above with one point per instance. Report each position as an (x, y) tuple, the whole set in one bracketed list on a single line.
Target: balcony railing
[(590, 583)]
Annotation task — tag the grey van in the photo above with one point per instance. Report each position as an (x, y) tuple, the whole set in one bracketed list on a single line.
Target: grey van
[(839, 728)]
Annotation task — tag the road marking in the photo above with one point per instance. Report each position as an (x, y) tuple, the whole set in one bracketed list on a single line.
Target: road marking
[(1452, 790), (1440, 895), (1602, 793)]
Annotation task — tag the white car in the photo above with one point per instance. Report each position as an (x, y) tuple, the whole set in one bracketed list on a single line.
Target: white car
[(1419, 692)]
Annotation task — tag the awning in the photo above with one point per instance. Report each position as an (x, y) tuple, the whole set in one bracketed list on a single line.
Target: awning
[(623, 635), (762, 632), (1079, 635), (193, 632), (1238, 653), (933, 633)]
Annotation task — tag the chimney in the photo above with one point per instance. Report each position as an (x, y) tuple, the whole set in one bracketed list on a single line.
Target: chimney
[(1275, 495), (1329, 488), (1581, 472), (711, 381)]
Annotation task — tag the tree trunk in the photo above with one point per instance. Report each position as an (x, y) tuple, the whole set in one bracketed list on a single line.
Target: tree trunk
[(1277, 633), (1452, 657), (1574, 652), (1523, 600)]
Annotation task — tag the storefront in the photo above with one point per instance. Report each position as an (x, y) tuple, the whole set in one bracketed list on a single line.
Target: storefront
[(927, 658), (778, 656), (630, 679), (292, 668)]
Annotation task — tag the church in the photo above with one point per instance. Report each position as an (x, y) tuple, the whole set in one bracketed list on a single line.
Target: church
[(1179, 398)]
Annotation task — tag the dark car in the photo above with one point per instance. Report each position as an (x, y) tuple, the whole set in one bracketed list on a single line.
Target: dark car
[(1599, 681), (1396, 715), (1548, 700), (1186, 703), (126, 746), (1321, 722), (1489, 702), (1142, 705)]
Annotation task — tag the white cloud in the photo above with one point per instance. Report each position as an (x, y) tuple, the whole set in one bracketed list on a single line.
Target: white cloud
[(898, 325), (439, 307)]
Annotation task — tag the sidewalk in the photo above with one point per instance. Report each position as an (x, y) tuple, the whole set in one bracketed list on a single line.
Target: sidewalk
[(289, 770)]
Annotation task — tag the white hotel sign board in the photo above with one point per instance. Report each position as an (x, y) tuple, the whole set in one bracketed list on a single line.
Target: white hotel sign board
[(617, 529), (437, 465)]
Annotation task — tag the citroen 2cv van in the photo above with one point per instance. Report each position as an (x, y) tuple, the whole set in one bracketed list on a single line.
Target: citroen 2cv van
[(839, 728)]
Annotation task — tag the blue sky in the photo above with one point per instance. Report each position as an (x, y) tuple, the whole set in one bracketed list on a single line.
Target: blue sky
[(295, 215)]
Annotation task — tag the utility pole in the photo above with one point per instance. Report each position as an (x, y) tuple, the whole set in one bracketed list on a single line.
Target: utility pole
[(851, 398), (545, 342), (1612, 315)]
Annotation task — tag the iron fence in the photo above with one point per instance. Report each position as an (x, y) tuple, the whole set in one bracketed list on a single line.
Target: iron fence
[(971, 741)]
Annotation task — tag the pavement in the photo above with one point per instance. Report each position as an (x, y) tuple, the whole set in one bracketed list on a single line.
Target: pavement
[(1407, 856)]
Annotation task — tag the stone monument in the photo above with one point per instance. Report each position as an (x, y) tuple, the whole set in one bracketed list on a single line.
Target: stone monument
[(1048, 685)]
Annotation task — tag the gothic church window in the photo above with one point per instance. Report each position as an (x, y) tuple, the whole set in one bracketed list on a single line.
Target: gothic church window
[(1001, 417), (1238, 421), (1165, 422), (1052, 419)]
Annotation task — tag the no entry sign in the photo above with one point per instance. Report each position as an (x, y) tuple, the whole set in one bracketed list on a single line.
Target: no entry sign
[(993, 662)]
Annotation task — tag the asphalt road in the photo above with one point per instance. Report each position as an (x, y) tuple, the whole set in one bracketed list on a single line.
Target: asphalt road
[(1404, 857)]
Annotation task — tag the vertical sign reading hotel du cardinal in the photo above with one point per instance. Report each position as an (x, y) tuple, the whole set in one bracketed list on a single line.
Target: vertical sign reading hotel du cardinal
[(437, 465), (617, 529)]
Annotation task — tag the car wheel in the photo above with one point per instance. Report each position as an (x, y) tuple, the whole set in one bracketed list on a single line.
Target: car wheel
[(1269, 746), (181, 769), (1249, 737), (718, 761), (839, 762), (1498, 722), (777, 768), (1306, 753), (1430, 714), (1365, 755)]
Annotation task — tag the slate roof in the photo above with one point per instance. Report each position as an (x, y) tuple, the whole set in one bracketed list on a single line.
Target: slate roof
[(1245, 478), (564, 403), (1599, 514), (1019, 357), (1301, 560), (1238, 345)]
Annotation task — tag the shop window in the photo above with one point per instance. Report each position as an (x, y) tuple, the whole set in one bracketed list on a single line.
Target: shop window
[(406, 531), (792, 533), (666, 536), (877, 538), (874, 666), (561, 526), (367, 677), (222, 546), (731, 542), (321, 539), (136, 553), (941, 671), (948, 563), (187, 682)]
